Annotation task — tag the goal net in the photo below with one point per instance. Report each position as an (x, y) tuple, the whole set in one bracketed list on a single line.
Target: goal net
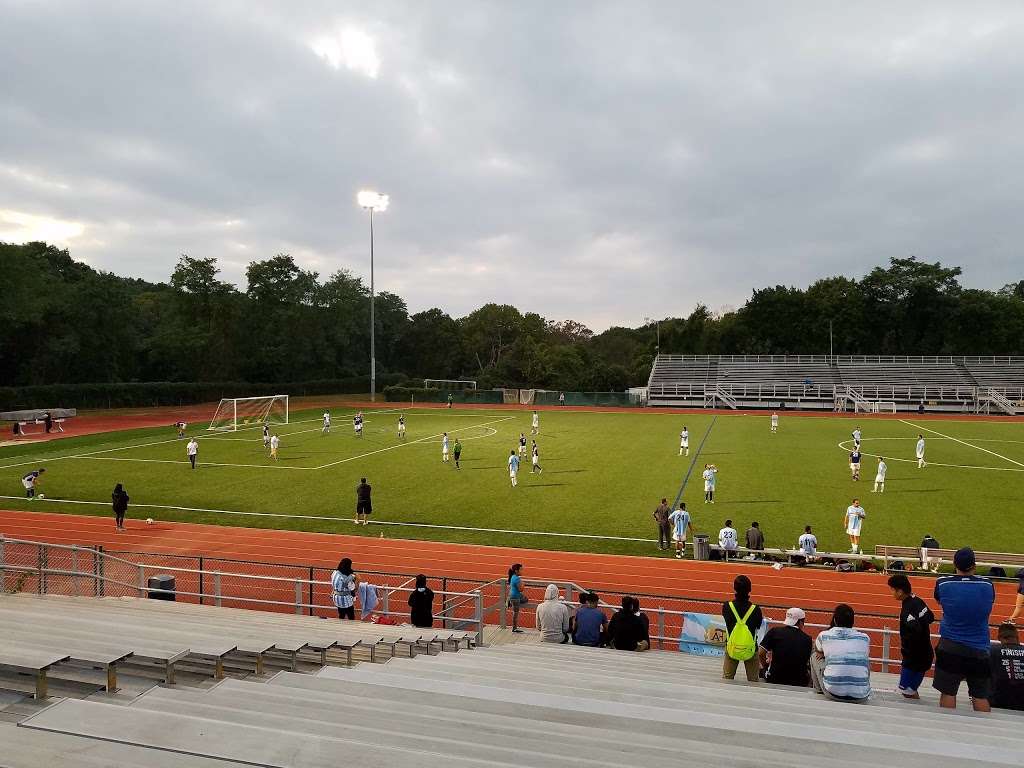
[(234, 413), (881, 406), (509, 396), (452, 385), (526, 396)]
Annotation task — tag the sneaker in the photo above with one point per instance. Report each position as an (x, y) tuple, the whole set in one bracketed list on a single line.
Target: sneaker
[(518, 631), (679, 555)]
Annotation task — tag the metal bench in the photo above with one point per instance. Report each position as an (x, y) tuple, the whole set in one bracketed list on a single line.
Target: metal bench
[(30, 661), (987, 559)]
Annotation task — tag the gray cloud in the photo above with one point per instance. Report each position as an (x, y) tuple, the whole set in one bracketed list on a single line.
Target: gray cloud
[(601, 161)]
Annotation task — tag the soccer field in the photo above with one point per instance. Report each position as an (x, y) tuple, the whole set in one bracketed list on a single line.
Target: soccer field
[(604, 472)]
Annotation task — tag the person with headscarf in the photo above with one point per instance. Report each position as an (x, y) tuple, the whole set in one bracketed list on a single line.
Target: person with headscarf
[(344, 587), (119, 499), (626, 630), (421, 604), (553, 617)]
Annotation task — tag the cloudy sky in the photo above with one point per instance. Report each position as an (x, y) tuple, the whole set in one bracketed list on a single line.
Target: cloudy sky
[(600, 161)]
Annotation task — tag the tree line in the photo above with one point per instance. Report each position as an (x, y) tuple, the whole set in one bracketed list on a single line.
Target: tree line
[(64, 322)]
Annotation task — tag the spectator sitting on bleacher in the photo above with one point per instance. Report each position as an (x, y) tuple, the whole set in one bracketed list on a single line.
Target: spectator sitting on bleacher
[(590, 622), (754, 537), (1007, 663), (645, 625), (963, 649), (553, 617), (421, 604), (785, 651), (915, 636), (625, 631), (840, 668), (740, 608)]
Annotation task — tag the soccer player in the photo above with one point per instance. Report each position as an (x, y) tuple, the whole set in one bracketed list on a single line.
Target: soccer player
[(856, 438), (266, 437), (775, 422), (326, 429), (681, 524), (709, 475), (192, 451), (275, 441), (181, 425), (808, 543), (513, 467), (30, 481), (401, 425), (444, 447), (522, 445), (535, 424), (457, 451), (854, 519), (684, 441), (855, 462), (728, 539), (880, 476), (536, 459), (920, 451), (451, 399)]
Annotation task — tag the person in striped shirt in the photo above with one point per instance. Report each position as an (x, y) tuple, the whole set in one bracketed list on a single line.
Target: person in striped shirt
[(839, 665)]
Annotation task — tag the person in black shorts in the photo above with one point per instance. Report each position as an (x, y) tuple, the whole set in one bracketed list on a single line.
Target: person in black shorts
[(457, 452), (363, 505)]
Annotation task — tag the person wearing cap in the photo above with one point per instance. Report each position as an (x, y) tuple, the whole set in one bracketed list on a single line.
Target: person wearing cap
[(915, 636), (963, 649), (785, 651)]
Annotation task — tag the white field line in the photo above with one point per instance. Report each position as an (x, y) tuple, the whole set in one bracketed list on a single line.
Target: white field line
[(963, 442), (341, 520), (199, 463), (845, 445)]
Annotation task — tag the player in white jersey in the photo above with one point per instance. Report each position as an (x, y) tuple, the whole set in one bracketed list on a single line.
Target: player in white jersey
[(856, 437), (808, 543), (880, 476), (522, 445), (681, 525), (181, 426), (709, 475), (775, 422), (535, 424), (444, 447), (266, 437), (275, 441), (357, 424), (920, 451), (513, 467), (854, 519), (684, 442), (326, 429), (401, 425), (728, 539)]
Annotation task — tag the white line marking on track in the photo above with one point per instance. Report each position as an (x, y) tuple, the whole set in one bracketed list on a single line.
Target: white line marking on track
[(962, 442)]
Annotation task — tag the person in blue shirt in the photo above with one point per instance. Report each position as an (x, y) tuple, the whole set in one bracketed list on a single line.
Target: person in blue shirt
[(590, 622), (963, 649), (516, 596)]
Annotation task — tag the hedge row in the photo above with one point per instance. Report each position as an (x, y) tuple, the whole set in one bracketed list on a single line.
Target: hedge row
[(149, 393), (398, 394)]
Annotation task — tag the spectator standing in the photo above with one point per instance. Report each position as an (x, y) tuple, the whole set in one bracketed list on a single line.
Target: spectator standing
[(928, 543), (344, 586), (625, 630), (1007, 663), (915, 636), (754, 537), (516, 597), (553, 617), (728, 539), (839, 665), (785, 652), (963, 650), (364, 506), (661, 513), (741, 609), (1018, 608), (561, 398), (421, 604), (119, 500), (590, 622)]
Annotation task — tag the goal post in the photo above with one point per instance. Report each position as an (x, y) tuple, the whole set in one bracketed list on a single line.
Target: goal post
[(449, 384), (234, 413)]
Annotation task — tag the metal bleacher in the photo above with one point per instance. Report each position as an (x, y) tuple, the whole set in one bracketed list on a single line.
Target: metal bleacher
[(940, 383)]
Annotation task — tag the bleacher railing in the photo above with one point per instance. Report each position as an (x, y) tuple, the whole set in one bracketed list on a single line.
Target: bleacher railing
[(850, 359)]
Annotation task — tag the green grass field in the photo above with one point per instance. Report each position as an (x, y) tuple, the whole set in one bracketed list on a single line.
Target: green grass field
[(603, 475)]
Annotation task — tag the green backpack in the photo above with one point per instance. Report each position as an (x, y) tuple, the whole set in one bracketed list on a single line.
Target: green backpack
[(741, 645)]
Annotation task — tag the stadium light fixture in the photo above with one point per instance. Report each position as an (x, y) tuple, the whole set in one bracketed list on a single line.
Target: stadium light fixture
[(372, 202), (657, 325)]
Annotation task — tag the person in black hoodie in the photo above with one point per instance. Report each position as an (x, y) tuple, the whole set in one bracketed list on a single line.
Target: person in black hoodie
[(421, 604), (625, 630), (119, 500), (915, 636)]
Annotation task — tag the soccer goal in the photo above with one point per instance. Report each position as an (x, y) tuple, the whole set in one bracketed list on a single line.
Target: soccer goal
[(509, 396), (234, 413), (452, 385), (526, 396), (882, 406)]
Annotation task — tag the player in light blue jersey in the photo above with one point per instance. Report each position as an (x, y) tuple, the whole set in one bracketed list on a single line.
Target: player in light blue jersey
[(854, 519), (513, 467), (681, 525)]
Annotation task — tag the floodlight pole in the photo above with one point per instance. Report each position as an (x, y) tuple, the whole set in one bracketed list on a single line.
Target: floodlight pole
[(373, 327)]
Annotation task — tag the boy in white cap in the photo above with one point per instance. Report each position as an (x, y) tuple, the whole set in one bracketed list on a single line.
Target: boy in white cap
[(785, 651)]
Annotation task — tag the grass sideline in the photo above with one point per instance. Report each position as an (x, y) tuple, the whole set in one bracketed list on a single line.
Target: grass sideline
[(603, 475)]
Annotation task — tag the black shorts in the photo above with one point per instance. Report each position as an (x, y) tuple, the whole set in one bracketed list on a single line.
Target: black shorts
[(364, 508), (955, 663), (457, 454)]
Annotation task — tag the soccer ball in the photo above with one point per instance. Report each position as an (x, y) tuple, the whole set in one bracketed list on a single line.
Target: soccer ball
[(42, 495), (149, 521)]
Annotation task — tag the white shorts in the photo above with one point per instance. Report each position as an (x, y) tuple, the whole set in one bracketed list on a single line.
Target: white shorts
[(359, 428), (855, 467), (677, 537), (512, 473), (684, 443), (28, 484), (708, 486), (536, 461), (444, 451), (853, 530), (920, 456), (879, 478)]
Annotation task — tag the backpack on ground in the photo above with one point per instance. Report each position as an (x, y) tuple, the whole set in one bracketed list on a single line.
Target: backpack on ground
[(741, 645)]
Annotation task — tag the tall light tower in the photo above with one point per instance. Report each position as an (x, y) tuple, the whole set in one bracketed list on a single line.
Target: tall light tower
[(374, 202), (657, 325)]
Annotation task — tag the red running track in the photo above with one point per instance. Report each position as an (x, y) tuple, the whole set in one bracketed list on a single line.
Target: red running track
[(809, 589)]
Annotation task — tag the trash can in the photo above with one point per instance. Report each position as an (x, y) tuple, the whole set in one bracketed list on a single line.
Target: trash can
[(161, 581), (701, 547)]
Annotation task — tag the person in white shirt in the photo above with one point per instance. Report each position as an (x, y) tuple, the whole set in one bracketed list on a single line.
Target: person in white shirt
[(326, 429), (728, 539), (880, 476), (266, 437), (775, 422), (401, 425), (808, 543), (920, 451), (444, 447), (854, 519), (513, 467), (192, 450), (275, 441), (357, 424), (709, 473), (535, 424), (181, 425), (681, 525), (856, 438), (684, 442)]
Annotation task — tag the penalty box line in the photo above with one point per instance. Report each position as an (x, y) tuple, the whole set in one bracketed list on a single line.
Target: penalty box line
[(962, 442), (343, 520)]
